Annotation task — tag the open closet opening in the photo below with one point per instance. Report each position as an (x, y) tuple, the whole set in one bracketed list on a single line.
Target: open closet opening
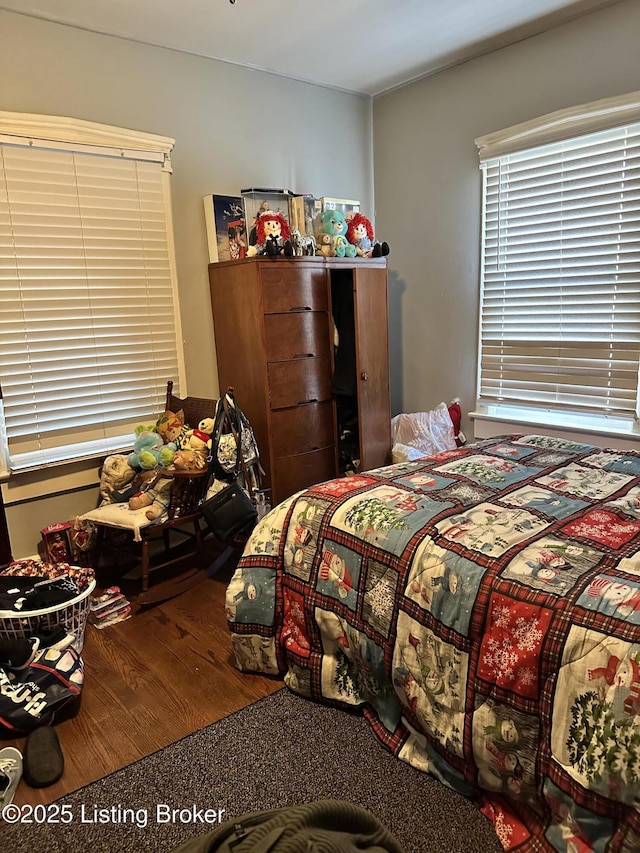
[(344, 386)]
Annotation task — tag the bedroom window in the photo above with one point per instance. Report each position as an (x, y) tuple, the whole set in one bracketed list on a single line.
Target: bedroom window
[(560, 289), (88, 297)]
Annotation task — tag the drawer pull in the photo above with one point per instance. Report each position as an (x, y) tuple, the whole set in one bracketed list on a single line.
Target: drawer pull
[(301, 308), (364, 376), (306, 402), (304, 355)]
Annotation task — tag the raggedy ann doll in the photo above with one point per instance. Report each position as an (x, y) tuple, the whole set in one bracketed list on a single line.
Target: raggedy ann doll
[(272, 233), (360, 234)]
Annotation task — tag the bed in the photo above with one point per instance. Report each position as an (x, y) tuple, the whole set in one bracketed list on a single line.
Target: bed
[(482, 608)]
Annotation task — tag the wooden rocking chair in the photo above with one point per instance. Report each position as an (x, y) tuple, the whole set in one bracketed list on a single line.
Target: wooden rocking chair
[(183, 519)]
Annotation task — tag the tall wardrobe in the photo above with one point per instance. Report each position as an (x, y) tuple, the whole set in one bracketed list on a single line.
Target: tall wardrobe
[(305, 343)]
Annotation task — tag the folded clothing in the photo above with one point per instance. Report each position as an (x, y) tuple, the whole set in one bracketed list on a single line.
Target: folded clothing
[(26, 594)]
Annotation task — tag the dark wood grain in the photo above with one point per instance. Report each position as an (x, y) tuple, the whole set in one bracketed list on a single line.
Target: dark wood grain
[(150, 681), (274, 330)]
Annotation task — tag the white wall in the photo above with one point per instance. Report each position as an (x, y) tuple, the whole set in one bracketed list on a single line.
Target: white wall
[(233, 128), (428, 184)]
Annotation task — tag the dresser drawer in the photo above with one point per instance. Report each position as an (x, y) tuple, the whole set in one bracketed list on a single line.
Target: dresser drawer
[(302, 429), (285, 290), (298, 335), (306, 469), (303, 380)]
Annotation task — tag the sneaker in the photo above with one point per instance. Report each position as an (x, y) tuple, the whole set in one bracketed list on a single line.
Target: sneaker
[(10, 774), (18, 654)]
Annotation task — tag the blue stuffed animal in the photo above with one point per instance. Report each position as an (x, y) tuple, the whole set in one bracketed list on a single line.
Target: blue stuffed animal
[(332, 240), (150, 451)]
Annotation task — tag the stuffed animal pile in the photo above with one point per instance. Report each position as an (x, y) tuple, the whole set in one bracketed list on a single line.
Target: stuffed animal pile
[(143, 477)]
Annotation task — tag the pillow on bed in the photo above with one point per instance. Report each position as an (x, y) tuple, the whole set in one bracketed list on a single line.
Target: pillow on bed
[(422, 434)]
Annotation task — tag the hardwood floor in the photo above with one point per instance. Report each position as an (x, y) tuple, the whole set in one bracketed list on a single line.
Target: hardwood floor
[(149, 681)]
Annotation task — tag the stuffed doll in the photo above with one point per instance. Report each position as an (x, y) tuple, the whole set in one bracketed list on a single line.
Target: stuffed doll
[(115, 474), (171, 427), (136, 486), (360, 235), (155, 494), (332, 240), (273, 236)]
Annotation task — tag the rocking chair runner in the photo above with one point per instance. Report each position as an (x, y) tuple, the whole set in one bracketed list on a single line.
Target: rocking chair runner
[(182, 518)]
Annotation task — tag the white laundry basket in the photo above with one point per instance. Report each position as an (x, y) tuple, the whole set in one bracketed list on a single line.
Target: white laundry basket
[(72, 615)]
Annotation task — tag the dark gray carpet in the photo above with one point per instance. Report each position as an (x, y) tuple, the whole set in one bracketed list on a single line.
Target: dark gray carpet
[(279, 751)]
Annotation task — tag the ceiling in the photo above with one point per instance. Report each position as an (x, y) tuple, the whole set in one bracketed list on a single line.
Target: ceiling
[(361, 46)]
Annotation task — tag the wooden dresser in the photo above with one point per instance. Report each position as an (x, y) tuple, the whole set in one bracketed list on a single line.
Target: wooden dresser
[(304, 341)]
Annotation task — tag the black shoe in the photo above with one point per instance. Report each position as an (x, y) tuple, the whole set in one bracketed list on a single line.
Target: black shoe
[(18, 654), (43, 760), (384, 248), (288, 249), (376, 252)]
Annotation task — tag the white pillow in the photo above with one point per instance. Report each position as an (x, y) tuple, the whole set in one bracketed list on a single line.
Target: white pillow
[(119, 515)]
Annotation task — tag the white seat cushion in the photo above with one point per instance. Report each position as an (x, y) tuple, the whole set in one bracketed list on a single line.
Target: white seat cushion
[(119, 515)]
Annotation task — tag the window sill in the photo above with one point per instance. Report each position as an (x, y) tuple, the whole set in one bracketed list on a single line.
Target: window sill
[(42, 477), (601, 430)]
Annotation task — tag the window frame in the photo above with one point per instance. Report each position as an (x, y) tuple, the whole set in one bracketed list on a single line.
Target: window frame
[(59, 133), (562, 125)]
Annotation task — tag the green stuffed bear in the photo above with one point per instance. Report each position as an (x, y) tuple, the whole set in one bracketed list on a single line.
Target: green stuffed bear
[(332, 240), (150, 451)]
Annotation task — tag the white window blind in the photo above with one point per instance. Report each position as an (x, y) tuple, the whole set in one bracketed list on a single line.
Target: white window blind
[(88, 308), (560, 307)]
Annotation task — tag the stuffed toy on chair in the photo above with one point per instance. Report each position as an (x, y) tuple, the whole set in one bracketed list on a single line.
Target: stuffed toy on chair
[(149, 451), (332, 240), (171, 427), (115, 474), (136, 485), (154, 493), (360, 234), (196, 446)]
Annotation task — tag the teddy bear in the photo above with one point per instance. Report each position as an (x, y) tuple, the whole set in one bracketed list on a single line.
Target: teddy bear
[(188, 460), (196, 446), (149, 451), (332, 240), (360, 234)]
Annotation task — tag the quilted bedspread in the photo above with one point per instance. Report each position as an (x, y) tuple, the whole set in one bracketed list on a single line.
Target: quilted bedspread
[(482, 606)]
